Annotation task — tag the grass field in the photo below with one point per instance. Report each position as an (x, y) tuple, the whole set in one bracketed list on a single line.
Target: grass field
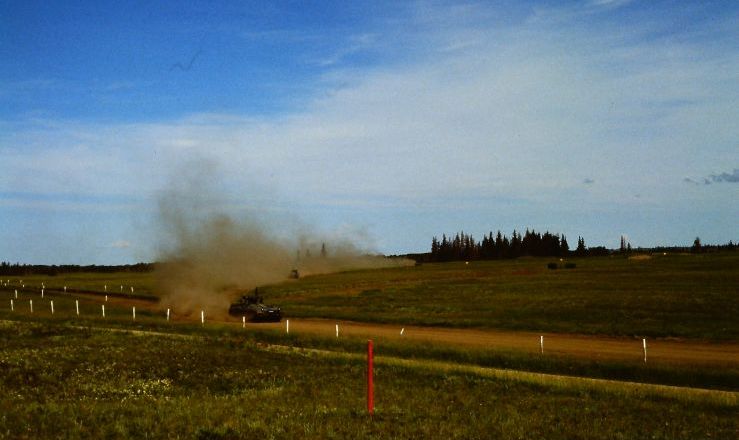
[(64, 382), (691, 296), (688, 296), (69, 376)]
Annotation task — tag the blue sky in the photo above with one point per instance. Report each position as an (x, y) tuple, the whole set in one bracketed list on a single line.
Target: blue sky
[(387, 122)]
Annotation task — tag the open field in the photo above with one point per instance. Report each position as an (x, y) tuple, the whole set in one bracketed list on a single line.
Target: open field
[(686, 296), (696, 363), (683, 296), (653, 291), (479, 376), (119, 283), (68, 382)]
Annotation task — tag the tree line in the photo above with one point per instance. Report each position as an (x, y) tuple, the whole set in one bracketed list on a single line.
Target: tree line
[(463, 247), (17, 269)]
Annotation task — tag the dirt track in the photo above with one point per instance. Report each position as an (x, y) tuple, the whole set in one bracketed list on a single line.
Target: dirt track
[(720, 354), (590, 347)]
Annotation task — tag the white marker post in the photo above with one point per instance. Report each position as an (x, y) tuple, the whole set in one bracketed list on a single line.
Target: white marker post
[(131, 289), (16, 293), (121, 289), (287, 326), (103, 307), (243, 322), (337, 330), (77, 306), (167, 315), (52, 306), (202, 317), (30, 303), (12, 308), (401, 331), (65, 289), (105, 287), (106, 298), (134, 312), (644, 344), (42, 292), (541, 344)]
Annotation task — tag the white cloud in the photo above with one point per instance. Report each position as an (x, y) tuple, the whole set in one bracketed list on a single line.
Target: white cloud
[(518, 111), (120, 244), (356, 43), (610, 3)]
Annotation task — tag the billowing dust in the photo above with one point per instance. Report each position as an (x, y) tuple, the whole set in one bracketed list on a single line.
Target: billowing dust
[(210, 256)]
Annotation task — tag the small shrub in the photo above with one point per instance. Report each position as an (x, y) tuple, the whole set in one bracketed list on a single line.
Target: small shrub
[(552, 266), (570, 265)]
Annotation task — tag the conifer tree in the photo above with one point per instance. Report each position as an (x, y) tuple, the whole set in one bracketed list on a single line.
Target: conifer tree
[(564, 248), (580, 251)]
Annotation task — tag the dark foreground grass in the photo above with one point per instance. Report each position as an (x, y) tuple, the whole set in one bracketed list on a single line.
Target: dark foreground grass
[(60, 382)]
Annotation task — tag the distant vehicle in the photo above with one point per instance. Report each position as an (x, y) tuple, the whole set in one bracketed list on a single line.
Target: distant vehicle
[(253, 308), (294, 274)]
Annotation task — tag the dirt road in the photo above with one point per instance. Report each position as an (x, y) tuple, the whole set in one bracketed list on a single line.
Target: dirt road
[(669, 350), (590, 347)]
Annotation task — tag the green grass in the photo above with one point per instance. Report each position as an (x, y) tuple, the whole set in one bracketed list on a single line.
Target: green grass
[(722, 377), (725, 377), (384, 295), (143, 283), (64, 376), (692, 296), (62, 382)]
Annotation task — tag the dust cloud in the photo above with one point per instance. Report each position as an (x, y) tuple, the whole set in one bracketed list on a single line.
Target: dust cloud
[(210, 255)]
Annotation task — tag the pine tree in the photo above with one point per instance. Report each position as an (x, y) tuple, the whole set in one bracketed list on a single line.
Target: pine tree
[(434, 249), (696, 249), (580, 251), (564, 248), (515, 245)]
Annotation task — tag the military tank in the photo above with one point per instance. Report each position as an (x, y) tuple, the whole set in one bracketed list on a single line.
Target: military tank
[(253, 308)]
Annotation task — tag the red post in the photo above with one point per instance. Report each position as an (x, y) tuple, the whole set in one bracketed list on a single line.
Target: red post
[(370, 383)]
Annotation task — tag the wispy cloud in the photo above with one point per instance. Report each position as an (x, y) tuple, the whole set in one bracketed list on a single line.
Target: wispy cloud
[(355, 44), (610, 3), (520, 104), (8, 88), (732, 177), (494, 116), (117, 86), (695, 182), (120, 244)]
